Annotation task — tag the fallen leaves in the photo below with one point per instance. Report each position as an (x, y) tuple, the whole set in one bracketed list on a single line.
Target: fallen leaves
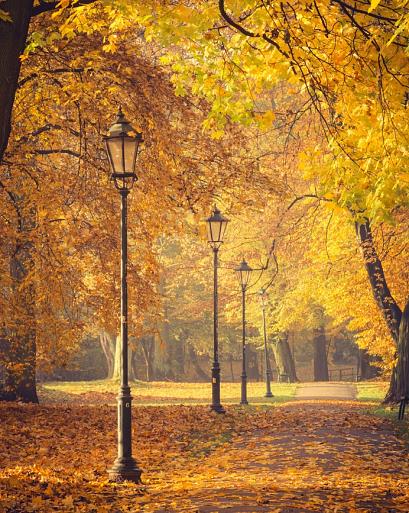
[(316, 457)]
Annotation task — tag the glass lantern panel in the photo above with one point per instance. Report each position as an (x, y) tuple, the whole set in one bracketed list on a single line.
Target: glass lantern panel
[(245, 276), (223, 226), (214, 231), (114, 146), (130, 148)]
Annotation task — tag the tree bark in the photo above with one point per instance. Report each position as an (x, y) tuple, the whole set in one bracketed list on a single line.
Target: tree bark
[(148, 347), (116, 373), (284, 359), (253, 371), (365, 369), (320, 355), (108, 347), (201, 374), (13, 36), (19, 343), (402, 366), (384, 299)]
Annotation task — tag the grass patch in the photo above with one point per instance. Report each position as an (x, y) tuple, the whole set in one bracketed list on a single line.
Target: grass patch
[(371, 391), (160, 393)]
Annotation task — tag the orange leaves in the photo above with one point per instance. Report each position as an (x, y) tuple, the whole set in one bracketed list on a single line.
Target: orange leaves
[(314, 458)]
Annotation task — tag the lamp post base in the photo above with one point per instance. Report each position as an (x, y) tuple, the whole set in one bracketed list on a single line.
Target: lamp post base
[(216, 405), (268, 394), (125, 469)]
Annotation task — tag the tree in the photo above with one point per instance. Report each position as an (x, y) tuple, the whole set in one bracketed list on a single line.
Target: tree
[(360, 163), (55, 180)]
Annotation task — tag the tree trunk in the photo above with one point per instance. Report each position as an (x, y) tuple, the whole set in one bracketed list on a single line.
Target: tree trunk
[(201, 374), (320, 355), (383, 297), (148, 348), (231, 368), (19, 344), (108, 347), (402, 367), (284, 359), (253, 371), (13, 36), (116, 373), (365, 369)]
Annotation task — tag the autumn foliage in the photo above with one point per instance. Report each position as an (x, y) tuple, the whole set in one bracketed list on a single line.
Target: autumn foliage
[(312, 457)]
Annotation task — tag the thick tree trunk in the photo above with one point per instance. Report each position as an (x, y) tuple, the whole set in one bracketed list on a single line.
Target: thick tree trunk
[(19, 343), (402, 367), (320, 355), (284, 359), (383, 297)]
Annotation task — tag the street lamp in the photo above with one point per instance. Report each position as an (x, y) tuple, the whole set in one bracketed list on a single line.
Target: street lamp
[(122, 145), (263, 296), (216, 227), (243, 274)]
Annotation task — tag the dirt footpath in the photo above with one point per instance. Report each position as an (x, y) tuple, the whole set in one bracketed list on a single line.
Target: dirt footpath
[(338, 391)]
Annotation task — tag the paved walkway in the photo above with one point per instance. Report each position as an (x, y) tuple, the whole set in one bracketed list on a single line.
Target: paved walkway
[(339, 391)]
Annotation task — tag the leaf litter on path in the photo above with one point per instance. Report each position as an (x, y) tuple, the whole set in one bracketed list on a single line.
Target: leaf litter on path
[(298, 458)]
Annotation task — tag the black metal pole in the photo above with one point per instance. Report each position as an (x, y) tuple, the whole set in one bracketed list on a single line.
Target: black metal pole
[(268, 368), (244, 373), (124, 467), (216, 405)]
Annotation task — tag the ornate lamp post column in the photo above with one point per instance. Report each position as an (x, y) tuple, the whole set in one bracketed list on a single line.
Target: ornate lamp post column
[(216, 227), (243, 273), (263, 296), (122, 145)]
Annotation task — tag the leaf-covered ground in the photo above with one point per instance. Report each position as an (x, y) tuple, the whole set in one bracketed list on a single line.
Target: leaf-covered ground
[(298, 457)]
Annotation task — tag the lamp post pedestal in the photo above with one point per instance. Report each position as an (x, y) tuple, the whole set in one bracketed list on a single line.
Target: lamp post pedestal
[(268, 385), (216, 405), (125, 467)]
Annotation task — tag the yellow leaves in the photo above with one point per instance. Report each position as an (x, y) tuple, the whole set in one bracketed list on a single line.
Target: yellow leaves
[(5, 16), (183, 13), (374, 5), (265, 120)]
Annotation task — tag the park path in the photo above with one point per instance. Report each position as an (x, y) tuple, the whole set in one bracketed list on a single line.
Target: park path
[(325, 390), (322, 457)]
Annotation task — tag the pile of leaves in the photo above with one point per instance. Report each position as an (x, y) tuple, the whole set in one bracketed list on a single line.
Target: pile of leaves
[(303, 457)]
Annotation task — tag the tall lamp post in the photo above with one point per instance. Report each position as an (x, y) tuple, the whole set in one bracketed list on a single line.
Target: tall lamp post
[(243, 274), (263, 296), (216, 228), (122, 145)]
